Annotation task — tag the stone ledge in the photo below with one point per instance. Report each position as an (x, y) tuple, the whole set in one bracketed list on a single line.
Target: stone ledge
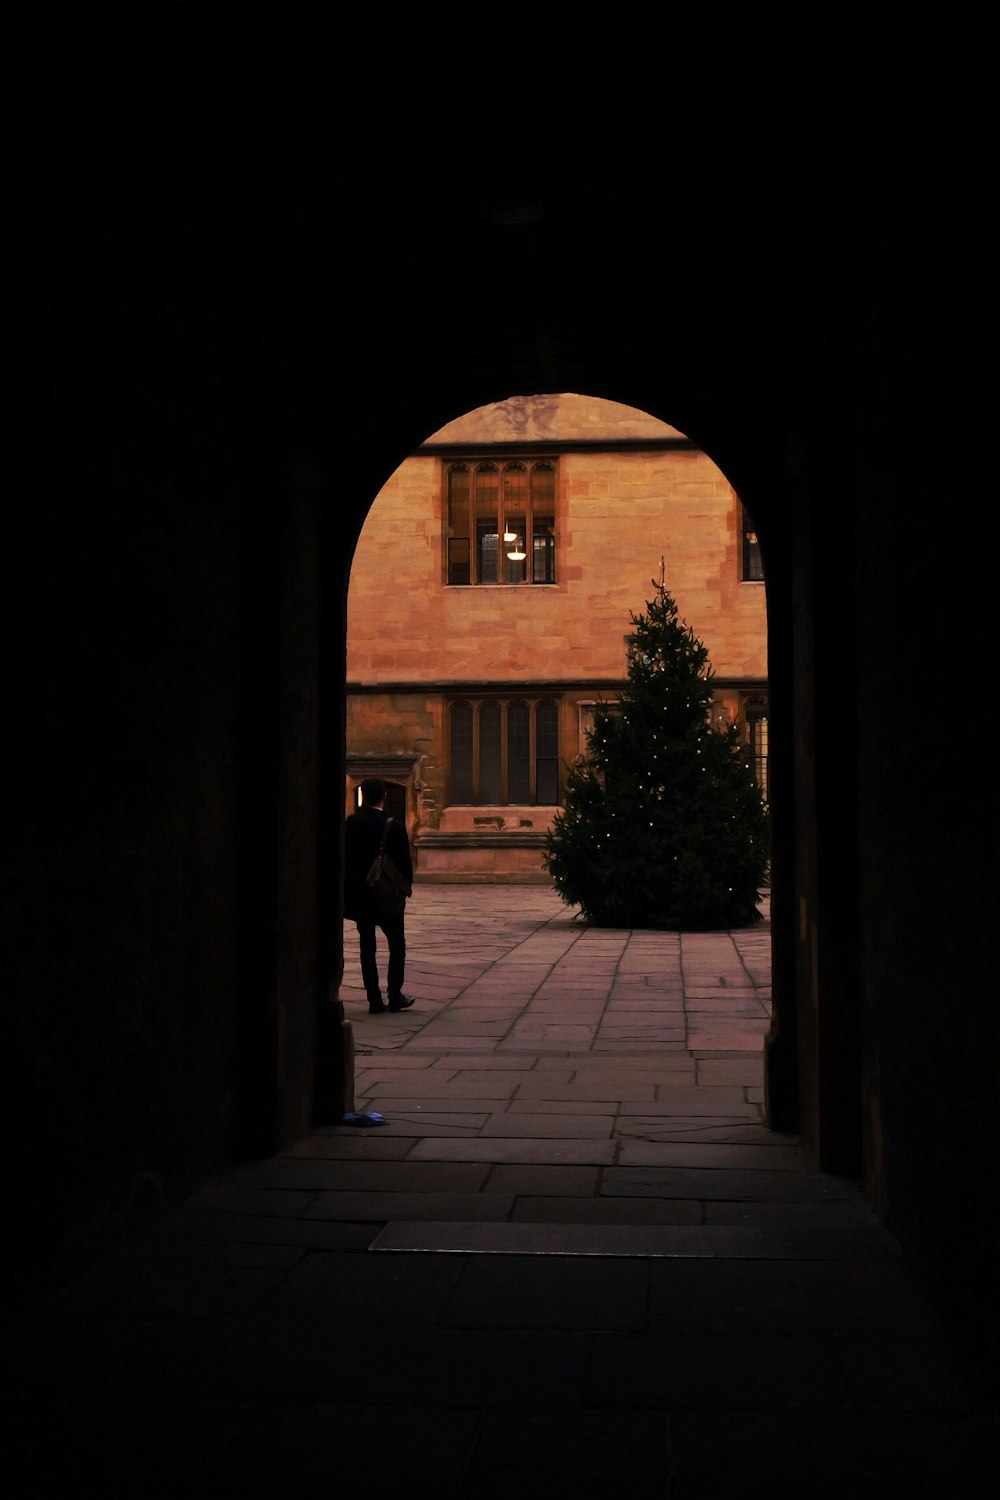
[(482, 838)]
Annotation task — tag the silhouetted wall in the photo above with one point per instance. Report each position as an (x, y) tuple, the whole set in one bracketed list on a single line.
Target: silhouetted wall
[(249, 274)]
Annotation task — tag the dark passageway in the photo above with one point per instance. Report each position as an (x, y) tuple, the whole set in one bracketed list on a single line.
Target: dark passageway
[(247, 274), (573, 1255)]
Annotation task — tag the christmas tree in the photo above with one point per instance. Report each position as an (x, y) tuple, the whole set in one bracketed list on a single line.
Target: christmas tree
[(663, 824)]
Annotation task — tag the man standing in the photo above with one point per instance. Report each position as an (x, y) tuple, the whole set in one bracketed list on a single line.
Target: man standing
[(363, 836)]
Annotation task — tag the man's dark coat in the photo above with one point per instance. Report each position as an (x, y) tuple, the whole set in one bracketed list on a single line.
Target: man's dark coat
[(362, 836)]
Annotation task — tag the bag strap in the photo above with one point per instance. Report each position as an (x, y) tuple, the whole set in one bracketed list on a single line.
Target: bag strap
[(385, 835)]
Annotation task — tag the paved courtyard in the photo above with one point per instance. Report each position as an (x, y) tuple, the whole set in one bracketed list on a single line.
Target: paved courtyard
[(574, 1257)]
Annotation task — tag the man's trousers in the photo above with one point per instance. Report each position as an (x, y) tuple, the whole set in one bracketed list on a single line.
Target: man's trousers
[(395, 936)]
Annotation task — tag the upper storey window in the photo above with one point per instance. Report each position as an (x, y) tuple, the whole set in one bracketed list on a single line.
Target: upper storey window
[(501, 521), (752, 567)]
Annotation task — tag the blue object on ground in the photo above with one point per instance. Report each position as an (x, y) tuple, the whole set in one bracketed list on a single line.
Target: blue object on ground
[(370, 1119)]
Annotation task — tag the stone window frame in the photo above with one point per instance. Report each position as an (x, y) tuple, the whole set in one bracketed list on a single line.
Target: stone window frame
[(491, 761), (527, 513)]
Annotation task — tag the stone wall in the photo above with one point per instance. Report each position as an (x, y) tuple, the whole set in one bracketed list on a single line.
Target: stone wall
[(618, 514), (620, 510)]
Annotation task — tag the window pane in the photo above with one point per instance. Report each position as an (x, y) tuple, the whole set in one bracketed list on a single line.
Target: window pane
[(460, 770), (515, 507), (458, 526), (518, 753), (489, 752), (753, 567), (547, 754), (487, 500), (543, 524), (758, 753), (459, 558), (543, 550)]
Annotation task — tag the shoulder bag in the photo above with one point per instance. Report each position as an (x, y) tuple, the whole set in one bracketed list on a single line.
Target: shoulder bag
[(387, 886)]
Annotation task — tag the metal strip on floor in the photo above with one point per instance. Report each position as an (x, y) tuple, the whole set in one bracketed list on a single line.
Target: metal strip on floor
[(639, 1241)]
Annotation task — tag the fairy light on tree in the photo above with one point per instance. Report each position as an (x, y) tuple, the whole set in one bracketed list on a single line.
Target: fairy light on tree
[(690, 828)]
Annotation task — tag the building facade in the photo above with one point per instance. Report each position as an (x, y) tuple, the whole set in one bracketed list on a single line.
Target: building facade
[(490, 609)]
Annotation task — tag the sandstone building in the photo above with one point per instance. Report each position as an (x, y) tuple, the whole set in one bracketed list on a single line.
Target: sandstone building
[(489, 610)]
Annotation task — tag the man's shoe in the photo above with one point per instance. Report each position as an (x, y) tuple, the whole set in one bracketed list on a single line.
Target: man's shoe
[(376, 1007), (401, 1002)]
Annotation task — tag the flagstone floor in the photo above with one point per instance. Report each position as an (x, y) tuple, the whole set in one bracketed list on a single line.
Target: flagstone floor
[(574, 1257)]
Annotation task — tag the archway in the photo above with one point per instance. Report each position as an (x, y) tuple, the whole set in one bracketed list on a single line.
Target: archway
[(425, 503), (735, 436)]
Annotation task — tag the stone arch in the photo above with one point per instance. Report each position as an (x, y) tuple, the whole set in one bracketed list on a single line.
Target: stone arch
[(759, 472)]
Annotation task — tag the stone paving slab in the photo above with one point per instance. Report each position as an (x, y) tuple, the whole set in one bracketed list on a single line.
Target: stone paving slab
[(174, 1288), (756, 1372), (542, 1106), (589, 1210), (322, 1443), (818, 1296), (400, 1108), (678, 1097), (365, 1062), (208, 1251), (428, 1085), (484, 1063), (833, 1214), (705, 1129), (509, 1292), (579, 1127), (692, 1104), (414, 1120), (459, 1028), (411, 1122), (504, 1149), (519, 1178), (696, 1154), (375, 1207), (253, 1229), (554, 1046), (421, 1174), (826, 1455), (553, 1451), (243, 1198), (493, 1078), (353, 1291), (356, 1145), (706, 1038), (436, 1042), (497, 1368), (742, 1070), (642, 1065), (588, 1091), (725, 1183), (568, 1033)]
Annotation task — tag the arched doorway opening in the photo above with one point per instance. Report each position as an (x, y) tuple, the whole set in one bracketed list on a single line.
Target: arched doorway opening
[(520, 538), (807, 958)]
